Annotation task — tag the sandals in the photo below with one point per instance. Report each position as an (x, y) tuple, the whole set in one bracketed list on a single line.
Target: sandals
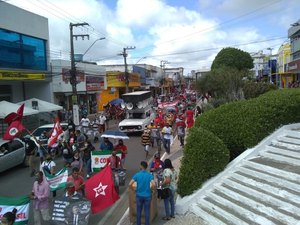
[(166, 218)]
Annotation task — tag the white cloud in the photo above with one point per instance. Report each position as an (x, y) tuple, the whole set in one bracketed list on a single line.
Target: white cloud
[(158, 30)]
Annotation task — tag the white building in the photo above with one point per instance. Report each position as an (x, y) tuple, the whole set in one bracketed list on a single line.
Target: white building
[(24, 55), (91, 80)]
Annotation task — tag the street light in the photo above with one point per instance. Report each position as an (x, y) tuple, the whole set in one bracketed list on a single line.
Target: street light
[(99, 39), (140, 60)]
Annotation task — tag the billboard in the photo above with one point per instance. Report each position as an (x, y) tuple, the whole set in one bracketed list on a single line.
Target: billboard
[(117, 79)]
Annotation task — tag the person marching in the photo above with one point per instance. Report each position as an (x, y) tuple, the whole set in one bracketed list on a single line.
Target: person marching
[(146, 141), (123, 149), (144, 184), (180, 128), (167, 132), (40, 195), (170, 177)]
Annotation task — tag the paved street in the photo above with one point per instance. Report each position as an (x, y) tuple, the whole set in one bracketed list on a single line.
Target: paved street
[(17, 182)]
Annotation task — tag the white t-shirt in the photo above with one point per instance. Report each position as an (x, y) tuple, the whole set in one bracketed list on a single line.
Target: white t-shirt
[(85, 122), (49, 164), (102, 119)]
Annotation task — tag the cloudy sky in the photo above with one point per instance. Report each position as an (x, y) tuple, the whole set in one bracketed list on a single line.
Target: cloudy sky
[(186, 33)]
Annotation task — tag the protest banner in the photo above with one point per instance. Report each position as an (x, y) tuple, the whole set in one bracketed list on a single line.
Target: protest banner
[(58, 180), (70, 211), (21, 204), (99, 159)]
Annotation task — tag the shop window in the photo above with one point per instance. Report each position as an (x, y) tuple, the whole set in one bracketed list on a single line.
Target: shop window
[(19, 51)]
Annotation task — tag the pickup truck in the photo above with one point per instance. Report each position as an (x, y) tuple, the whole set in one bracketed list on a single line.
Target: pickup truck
[(137, 120)]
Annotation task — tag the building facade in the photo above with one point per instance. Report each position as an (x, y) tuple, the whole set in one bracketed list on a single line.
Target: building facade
[(294, 35), (91, 82), (24, 55)]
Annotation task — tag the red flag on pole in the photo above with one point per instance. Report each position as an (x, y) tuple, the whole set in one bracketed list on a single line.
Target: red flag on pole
[(14, 128), (15, 116), (100, 190), (56, 131)]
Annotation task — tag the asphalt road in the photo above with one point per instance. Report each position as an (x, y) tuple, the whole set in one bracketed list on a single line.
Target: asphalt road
[(17, 182)]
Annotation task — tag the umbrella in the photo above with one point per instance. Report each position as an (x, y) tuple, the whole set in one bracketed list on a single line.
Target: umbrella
[(115, 134), (116, 101)]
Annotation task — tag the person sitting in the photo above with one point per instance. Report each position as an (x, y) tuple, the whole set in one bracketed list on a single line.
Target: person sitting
[(157, 163), (3, 150)]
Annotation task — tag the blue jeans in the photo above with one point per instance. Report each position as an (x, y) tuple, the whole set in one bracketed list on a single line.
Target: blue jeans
[(167, 143), (170, 202), (140, 203), (88, 166)]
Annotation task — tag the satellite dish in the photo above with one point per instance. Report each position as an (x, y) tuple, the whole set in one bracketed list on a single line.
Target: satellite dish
[(123, 105), (139, 105), (129, 106)]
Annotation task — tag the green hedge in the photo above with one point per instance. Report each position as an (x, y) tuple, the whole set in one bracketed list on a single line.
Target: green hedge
[(205, 155), (243, 124)]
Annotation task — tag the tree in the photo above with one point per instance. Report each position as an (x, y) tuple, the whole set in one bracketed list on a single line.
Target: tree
[(224, 82), (234, 58)]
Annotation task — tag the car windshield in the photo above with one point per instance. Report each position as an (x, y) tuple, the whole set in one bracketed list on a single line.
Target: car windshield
[(39, 131), (137, 115)]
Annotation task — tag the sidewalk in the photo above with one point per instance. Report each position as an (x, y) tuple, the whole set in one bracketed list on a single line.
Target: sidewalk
[(175, 156)]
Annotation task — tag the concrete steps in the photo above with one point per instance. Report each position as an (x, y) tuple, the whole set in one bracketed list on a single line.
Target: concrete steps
[(261, 186)]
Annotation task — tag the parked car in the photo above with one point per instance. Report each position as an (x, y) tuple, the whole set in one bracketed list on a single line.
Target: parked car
[(12, 153)]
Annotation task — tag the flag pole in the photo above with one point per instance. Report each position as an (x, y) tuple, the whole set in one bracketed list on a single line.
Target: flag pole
[(36, 140)]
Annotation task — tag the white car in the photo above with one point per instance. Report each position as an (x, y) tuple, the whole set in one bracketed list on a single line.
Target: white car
[(47, 127), (12, 153), (131, 125)]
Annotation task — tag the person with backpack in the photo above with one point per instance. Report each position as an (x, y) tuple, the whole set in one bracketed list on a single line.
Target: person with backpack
[(48, 166)]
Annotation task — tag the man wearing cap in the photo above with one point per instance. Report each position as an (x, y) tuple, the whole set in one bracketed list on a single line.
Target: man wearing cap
[(153, 133), (30, 148), (157, 163)]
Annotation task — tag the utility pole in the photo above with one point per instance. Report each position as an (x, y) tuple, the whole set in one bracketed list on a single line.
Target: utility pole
[(163, 65), (73, 77), (124, 54)]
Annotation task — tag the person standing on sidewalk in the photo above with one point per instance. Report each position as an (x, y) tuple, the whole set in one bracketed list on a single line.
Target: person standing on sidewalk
[(144, 186), (170, 178), (167, 132)]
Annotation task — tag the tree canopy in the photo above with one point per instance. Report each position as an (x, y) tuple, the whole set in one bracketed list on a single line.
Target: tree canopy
[(234, 58)]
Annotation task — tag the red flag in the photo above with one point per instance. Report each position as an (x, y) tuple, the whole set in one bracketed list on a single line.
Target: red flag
[(56, 131), (100, 190), (14, 128), (15, 116)]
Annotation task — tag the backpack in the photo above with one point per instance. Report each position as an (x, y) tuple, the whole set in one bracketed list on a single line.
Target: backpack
[(46, 167)]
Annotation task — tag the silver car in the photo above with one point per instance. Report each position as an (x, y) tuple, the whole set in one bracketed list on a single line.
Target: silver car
[(12, 153)]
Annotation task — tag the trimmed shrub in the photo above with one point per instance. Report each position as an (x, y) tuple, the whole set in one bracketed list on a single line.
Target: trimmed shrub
[(254, 89), (205, 155), (243, 124)]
